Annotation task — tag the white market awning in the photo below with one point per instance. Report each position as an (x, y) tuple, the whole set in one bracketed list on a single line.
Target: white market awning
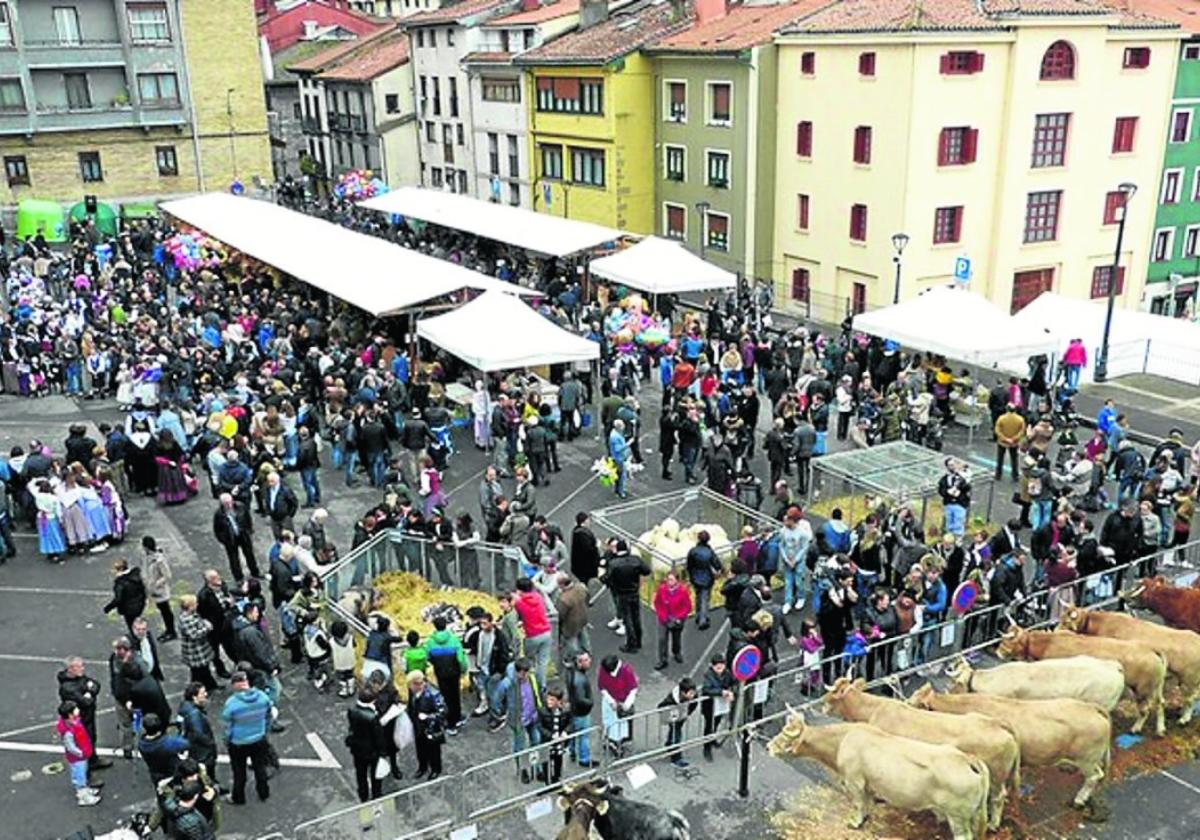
[(373, 274), (540, 232), (662, 266), (500, 332), (959, 325)]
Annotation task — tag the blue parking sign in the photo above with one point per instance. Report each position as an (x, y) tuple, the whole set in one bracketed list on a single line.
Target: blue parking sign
[(546, 194), (962, 269)]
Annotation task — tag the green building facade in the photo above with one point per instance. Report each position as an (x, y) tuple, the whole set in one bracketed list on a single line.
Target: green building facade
[(1174, 272)]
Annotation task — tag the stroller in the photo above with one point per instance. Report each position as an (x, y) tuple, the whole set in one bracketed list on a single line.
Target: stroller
[(137, 828)]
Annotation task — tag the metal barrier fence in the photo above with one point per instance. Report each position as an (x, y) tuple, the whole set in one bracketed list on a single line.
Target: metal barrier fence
[(434, 809)]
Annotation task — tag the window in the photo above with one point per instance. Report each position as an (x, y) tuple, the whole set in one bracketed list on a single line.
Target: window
[(501, 90), (527, 39), (1102, 276), (450, 37), (552, 161), (676, 102), (808, 63), (430, 132), (6, 37), (866, 64), (514, 159), (1041, 216), (433, 43), (862, 144), (957, 146), (719, 98), (514, 194), (802, 212), (1172, 185), (448, 145), (1027, 285), (718, 169), (420, 37), (717, 231), (675, 221), (453, 96), (458, 134), (587, 167), (435, 175), (1181, 126), (12, 95), (1164, 241), (493, 153), (424, 84), (961, 63), (1136, 57), (391, 103), (947, 225), (1191, 52), (1191, 241), (66, 26), (675, 163), (1113, 202), (168, 164), (89, 167), (801, 289), (437, 95), (1196, 184), (148, 23), (79, 95), (804, 138), (159, 89), (570, 95), (858, 222), (858, 298), (1124, 130), (1058, 62), (462, 181), (16, 170), (1050, 140)]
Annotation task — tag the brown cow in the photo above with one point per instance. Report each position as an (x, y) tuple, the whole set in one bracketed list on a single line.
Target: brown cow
[(990, 740), (1180, 647), (906, 774), (1178, 606), (1050, 732), (1145, 668)]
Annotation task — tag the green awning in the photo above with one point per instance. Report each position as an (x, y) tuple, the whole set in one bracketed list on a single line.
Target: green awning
[(139, 210), (37, 216)]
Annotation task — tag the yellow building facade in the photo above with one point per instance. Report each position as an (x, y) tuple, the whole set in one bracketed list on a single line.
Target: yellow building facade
[(103, 135), (1000, 145)]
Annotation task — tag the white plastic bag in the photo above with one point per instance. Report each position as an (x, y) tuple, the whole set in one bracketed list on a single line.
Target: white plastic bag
[(404, 735)]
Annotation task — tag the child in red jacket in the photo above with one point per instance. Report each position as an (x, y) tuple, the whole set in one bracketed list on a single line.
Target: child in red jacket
[(673, 605)]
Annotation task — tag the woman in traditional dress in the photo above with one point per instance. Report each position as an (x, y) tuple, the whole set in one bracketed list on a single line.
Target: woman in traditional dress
[(431, 486), (52, 543), (481, 408), (73, 519), (99, 527), (172, 483), (114, 506), (143, 473)]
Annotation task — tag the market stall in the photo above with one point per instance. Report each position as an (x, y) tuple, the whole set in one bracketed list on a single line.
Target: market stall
[(662, 266)]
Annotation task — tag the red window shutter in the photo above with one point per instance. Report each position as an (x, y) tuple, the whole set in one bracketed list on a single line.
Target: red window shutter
[(943, 138), (866, 64), (721, 101), (800, 285), (802, 212), (566, 88), (970, 144), (977, 62), (804, 139), (957, 229), (944, 64), (808, 63), (677, 94), (545, 84), (862, 144)]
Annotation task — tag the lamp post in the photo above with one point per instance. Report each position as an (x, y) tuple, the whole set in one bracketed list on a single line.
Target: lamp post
[(1100, 372), (899, 242), (702, 208)]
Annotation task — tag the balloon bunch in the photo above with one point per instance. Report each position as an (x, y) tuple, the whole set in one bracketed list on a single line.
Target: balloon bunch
[(190, 252), (358, 184), (630, 323)]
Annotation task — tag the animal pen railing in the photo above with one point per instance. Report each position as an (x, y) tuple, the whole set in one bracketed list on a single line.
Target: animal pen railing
[(491, 799)]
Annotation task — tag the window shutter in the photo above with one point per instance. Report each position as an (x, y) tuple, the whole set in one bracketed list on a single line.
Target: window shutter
[(545, 84), (943, 138), (721, 101), (677, 94), (970, 143), (804, 139), (566, 88), (977, 62), (944, 64), (957, 226)]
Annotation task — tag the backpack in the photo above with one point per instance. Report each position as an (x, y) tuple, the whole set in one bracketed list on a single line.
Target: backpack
[(287, 620)]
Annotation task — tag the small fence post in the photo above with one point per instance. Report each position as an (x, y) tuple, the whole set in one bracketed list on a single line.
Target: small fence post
[(1146, 356)]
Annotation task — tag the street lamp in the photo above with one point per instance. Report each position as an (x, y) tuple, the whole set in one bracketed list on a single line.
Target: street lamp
[(702, 208), (1100, 373), (899, 242)]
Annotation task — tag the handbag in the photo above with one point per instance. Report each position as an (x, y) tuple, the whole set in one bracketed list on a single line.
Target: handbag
[(382, 768)]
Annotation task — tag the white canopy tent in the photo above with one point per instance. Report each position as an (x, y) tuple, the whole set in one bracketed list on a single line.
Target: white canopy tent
[(959, 325), (540, 232), (373, 274), (1139, 342), (662, 266), (500, 332)]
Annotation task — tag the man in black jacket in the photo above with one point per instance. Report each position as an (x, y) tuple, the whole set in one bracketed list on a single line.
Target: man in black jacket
[(373, 442), (365, 742), (414, 438), (703, 570), (281, 505), (1122, 532), (129, 592), (581, 700), (624, 579), (75, 685), (776, 445), (234, 530), (213, 603), (308, 462)]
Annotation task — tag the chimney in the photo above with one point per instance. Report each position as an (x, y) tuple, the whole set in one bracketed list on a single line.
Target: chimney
[(310, 30), (709, 10), (529, 5), (592, 12)]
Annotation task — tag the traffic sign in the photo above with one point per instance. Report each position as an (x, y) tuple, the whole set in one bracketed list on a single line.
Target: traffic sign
[(746, 663), (964, 597), (962, 269)]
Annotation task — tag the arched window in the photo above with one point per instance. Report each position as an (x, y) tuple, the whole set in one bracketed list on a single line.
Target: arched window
[(1058, 62)]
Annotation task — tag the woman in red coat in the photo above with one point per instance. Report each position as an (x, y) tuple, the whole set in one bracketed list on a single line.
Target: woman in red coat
[(673, 605)]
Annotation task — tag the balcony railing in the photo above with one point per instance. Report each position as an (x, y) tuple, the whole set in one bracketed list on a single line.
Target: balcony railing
[(43, 55)]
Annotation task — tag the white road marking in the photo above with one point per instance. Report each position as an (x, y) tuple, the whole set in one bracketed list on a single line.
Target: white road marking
[(34, 726), (37, 590), (60, 660), (1179, 781), (574, 493), (326, 761)]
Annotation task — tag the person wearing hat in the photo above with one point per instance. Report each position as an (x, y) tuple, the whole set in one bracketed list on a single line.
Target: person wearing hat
[(247, 716), (955, 490)]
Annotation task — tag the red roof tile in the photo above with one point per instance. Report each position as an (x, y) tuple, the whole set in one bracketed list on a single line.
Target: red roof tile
[(487, 57), (895, 16), (1186, 13), (625, 31), (743, 27), (371, 60), (326, 58), (549, 11), (457, 11)]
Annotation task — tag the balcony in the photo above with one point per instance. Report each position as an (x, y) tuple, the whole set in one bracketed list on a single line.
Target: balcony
[(64, 118), (54, 55), (310, 125)]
